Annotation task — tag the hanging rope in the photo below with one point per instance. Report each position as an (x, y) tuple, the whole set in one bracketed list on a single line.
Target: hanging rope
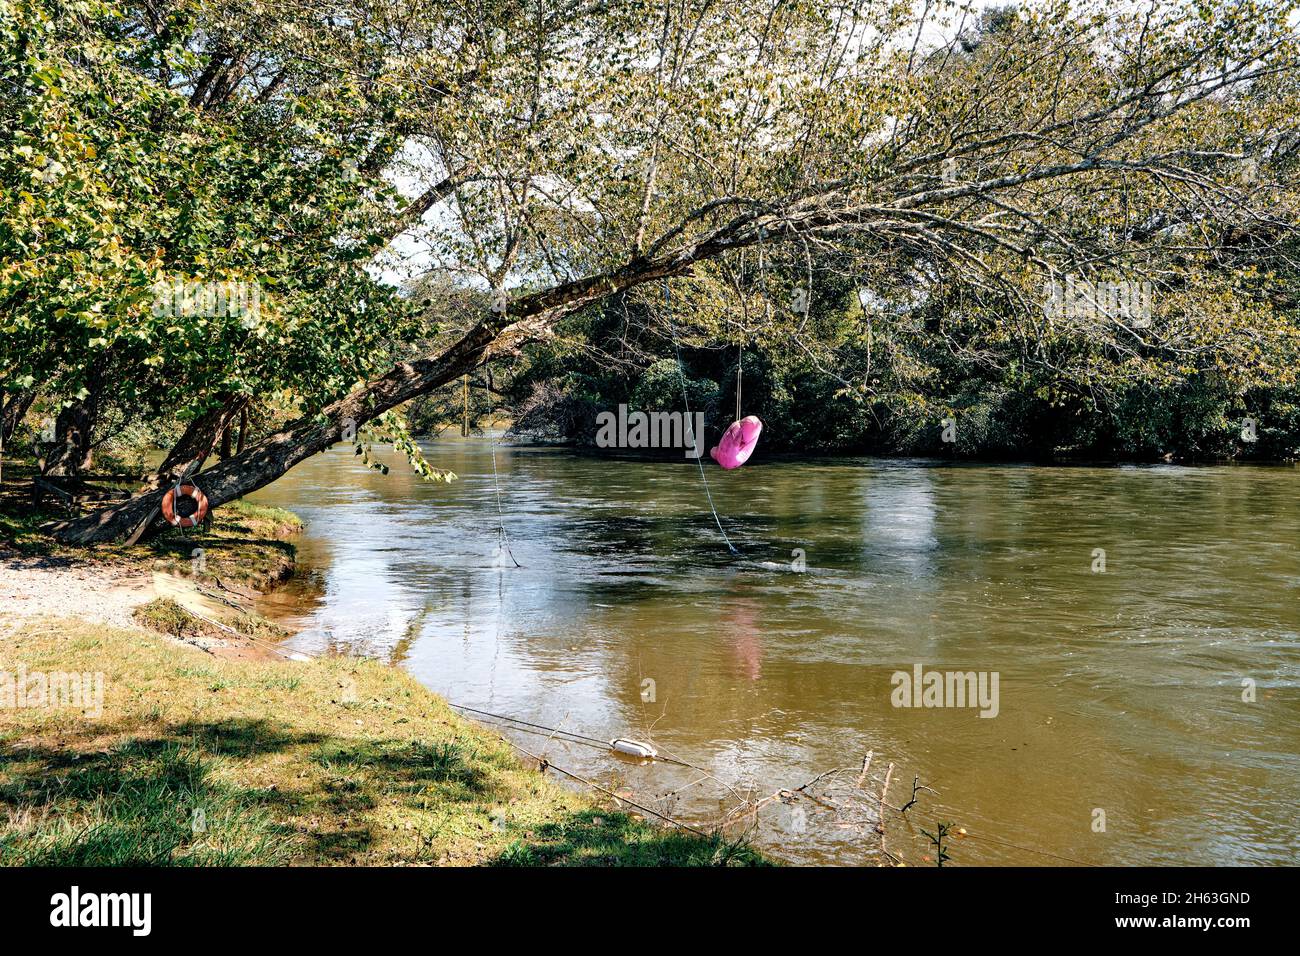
[(503, 539), (740, 364), (696, 439), (744, 327)]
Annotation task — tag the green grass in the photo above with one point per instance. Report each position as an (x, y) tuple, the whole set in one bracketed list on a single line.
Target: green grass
[(167, 617), (245, 547), (596, 838), (333, 761), (146, 803)]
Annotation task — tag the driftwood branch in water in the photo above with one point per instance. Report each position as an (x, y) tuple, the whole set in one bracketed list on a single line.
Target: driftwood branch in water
[(916, 788), (863, 806), (880, 817), (866, 765)]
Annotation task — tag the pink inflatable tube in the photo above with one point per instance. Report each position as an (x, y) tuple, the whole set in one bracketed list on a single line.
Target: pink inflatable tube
[(738, 442)]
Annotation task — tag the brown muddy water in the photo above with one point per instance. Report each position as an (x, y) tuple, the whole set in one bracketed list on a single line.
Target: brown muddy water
[(1119, 691)]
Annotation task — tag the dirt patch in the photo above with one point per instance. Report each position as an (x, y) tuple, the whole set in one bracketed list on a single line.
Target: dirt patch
[(43, 587)]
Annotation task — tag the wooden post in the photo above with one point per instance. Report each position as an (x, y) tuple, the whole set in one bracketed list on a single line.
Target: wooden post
[(464, 391)]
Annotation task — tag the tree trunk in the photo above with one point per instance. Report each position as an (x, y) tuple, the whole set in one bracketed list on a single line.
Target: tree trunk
[(70, 451), (266, 460), (15, 409), (243, 429), (195, 445)]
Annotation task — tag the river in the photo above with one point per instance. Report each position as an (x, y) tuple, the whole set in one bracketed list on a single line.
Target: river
[(1142, 623)]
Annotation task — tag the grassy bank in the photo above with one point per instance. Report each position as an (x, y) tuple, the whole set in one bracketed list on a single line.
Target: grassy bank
[(196, 760), (245, 546)]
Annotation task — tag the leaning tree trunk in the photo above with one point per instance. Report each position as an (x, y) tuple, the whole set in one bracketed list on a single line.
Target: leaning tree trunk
[(266, 460), (15, 409), (195, 445)]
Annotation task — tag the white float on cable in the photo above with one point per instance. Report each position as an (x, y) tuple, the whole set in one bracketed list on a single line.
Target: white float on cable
[(633, 748)]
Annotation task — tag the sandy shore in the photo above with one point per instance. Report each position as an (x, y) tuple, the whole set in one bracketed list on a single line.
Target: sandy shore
[(52, 587), (90, 593)]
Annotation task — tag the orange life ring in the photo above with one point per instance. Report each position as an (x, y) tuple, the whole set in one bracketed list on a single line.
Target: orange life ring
[(186, 491)]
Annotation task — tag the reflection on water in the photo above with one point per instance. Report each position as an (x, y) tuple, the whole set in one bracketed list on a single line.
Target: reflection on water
[(1120, 691)]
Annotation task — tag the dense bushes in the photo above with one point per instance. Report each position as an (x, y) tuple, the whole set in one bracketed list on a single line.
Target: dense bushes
[(920, 377)]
